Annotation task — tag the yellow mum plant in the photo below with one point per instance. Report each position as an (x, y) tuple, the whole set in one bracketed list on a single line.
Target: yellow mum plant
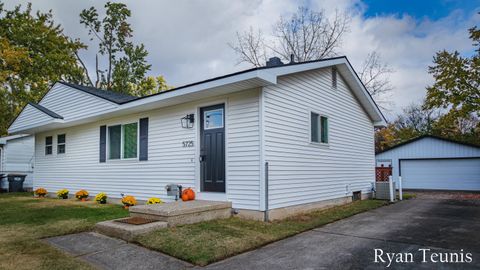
[(63, 193), (154, 201), (101, 198), (81, 194), (40, 192), (129, 201)]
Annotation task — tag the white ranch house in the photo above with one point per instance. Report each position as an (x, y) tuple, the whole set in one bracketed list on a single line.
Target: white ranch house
[(312, 123)]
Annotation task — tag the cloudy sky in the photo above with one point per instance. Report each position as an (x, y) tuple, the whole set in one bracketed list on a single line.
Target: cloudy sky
[(187, 40)]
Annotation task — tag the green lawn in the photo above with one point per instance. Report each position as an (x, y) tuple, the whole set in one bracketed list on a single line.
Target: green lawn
[(207, 242), (24, 220)]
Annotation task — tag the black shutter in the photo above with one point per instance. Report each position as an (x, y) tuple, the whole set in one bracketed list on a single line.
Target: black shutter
[(143, 139), (103, 143)]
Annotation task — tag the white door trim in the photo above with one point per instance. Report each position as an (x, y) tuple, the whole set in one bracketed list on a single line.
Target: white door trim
[(215, 196)]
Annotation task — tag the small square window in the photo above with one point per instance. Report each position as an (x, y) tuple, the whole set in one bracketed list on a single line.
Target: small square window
[(61, 141), (48, 145)]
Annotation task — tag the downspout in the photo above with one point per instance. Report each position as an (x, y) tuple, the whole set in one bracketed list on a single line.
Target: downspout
[(266, 218)]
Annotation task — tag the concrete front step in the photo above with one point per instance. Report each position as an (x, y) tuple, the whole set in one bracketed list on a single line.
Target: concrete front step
[(127, 231), (179, 212)]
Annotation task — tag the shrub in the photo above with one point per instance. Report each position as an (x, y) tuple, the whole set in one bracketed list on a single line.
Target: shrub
[(154, 201), (101, 198), (63, 193), (40, 192), (81, 194), (129, 201)]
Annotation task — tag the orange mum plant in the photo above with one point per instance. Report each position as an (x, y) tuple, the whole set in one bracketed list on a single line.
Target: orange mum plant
[(81, 194), (40, 192), (129, 201)]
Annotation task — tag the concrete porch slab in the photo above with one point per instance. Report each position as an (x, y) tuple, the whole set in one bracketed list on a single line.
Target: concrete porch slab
[(179, 212), (126, 231)]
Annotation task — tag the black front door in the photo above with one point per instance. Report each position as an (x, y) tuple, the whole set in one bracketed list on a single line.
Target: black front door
[(212, 148)]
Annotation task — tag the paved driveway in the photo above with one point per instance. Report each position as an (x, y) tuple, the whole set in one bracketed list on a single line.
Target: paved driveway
[(443, 225)]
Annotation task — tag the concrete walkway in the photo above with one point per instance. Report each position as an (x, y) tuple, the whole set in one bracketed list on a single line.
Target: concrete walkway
[(441, 225), (110, 253)]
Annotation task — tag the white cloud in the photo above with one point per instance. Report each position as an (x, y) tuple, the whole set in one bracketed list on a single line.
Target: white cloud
[(187, 40)]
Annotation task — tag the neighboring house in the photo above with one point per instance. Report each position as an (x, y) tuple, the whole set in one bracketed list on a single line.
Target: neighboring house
[(430, 162), (16, 157), (312, 122)]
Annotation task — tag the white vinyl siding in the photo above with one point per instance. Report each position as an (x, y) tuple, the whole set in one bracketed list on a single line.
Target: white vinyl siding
[(304, 172), (73, 104), (18, 157), (168, 161), (30, 116)]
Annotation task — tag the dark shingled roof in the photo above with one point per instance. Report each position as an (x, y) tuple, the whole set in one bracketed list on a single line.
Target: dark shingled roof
[(105, 94), (45, 110)]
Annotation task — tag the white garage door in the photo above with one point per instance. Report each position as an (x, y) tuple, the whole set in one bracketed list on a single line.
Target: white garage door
[(447, 174)]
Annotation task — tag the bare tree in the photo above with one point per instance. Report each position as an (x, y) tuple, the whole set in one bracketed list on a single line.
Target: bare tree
[(250, 47), (374, 73), (311, 35), (307, 34)]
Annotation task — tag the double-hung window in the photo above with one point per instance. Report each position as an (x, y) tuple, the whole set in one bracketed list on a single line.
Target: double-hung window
[(48, 145), (318, 128), (123, 141), (61, 144)]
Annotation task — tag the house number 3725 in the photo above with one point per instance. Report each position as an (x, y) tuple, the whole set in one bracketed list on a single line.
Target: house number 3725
[(187, 143)]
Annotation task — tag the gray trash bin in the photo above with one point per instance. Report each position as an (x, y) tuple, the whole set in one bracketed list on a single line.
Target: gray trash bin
[(15, 182)]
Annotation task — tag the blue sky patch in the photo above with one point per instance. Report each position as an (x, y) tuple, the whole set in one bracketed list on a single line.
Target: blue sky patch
[(419, 9)]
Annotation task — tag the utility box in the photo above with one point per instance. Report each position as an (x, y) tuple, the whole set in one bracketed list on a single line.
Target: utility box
[(382, 190), (174, 190)]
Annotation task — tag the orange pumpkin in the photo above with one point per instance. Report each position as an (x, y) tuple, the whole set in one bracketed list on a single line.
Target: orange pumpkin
[(190, 193), (184, 197)]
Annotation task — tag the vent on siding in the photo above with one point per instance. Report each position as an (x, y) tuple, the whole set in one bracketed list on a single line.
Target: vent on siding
[(334, 78), (357, 196)]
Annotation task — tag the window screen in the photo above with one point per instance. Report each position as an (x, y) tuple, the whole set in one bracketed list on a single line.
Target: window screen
[(130, 133), (114, 141), (48, 145), (61, 144), (314, 127), (324, 129)]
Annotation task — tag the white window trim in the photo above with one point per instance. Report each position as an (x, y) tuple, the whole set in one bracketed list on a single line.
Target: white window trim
[(121, 142), (320, 115), (65, 143)]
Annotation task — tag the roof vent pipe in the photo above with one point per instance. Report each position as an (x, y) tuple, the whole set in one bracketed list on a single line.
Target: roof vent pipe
[(292, 58), (274, 61)]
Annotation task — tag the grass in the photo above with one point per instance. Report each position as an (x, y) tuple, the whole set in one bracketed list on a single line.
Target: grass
[(25, 220), (211, 241), (408, 196)]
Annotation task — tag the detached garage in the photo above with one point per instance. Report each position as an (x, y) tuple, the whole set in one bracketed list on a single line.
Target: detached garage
[(430, 162)]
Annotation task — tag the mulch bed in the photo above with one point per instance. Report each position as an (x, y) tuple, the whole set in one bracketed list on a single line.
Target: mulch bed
[(136, 220)]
